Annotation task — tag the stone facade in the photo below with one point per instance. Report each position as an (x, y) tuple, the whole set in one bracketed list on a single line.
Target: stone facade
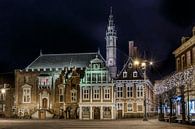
[(47, 94), (6, 95), (131, 88)]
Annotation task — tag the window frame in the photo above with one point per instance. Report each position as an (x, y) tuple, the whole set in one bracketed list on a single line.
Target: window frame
[(95, 93), (26, 92), (135, 74), (129, 91), (61, 94), (129, 107), (107, 93), (74, 95), (85, 93), (119, 91)]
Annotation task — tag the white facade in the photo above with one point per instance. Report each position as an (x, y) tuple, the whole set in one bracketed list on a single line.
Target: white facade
[(97, 93)]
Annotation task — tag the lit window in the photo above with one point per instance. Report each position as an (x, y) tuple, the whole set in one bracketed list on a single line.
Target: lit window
[(124, 74), (74, 95), (94, 77), (135, 74), (130, 107), (107, 93), (120, 91), (2, 96), (96, 93), (139, 89), (26, 95), (44, 81), (61, 94), (119, 106), (130, 91), (85, 94)]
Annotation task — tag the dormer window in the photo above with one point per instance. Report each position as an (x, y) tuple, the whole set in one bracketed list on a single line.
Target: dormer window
[(124, 74), (96, 66), (130, 65), (135, 74)]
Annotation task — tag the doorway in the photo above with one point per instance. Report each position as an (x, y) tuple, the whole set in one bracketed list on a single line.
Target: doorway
[(96, 113), (44, 103)]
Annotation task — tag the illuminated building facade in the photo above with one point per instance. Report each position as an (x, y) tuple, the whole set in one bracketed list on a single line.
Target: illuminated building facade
[(97, 98)]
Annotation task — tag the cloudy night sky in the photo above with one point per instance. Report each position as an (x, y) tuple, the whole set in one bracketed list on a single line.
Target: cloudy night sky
[(66, 26)]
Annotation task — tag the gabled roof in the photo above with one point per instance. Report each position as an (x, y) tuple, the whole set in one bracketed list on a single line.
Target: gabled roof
[(63, 60), (130, 71)]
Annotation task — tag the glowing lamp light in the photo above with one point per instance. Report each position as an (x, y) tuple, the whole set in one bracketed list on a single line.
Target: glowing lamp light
[(143, 64), (151, 63), (136, 62), (3, 91)]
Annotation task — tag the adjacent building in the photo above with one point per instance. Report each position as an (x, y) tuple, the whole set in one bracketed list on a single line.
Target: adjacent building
[(6, 94), (130, 86), (176, 92), (185, 61)]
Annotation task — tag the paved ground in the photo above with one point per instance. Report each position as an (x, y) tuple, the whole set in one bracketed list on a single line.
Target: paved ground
[(77, 124)]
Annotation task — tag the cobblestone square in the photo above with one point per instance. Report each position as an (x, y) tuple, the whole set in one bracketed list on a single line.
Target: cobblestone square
[(78, 124)]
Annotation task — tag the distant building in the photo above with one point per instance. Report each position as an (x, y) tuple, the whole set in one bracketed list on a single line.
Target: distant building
[(6, 94)]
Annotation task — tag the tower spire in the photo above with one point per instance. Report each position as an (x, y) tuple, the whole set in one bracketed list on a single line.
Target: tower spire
[(111, 37), (111, 21)]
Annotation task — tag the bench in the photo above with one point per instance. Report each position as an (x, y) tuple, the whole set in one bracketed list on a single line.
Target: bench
[(167, 119), (192, 119)]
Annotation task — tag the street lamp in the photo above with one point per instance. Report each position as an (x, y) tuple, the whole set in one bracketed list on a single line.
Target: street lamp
[(144, 64), (3, 91)]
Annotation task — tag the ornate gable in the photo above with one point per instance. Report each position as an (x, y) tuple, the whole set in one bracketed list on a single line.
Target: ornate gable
[(130, 72)]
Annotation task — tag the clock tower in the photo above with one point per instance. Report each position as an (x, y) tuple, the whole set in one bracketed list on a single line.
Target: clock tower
[(111, 37)]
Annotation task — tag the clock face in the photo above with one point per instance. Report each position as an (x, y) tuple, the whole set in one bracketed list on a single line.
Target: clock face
[(110, 62)]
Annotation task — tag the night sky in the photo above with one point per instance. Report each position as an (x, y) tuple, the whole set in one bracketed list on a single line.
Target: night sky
[(66, 26)]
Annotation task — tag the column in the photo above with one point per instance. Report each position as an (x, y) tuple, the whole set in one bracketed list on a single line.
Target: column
[(101, 90), (101, 112), (91, 93), (112, 112), (81, 93), (91, 117), (112, 94), (80, 113)]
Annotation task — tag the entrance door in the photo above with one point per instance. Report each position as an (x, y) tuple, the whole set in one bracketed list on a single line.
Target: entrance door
[(96, 113), (44, 103), (42, 115), (119, 114)]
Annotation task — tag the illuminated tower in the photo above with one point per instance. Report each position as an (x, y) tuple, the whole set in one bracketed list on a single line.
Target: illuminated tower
[(111, 37)]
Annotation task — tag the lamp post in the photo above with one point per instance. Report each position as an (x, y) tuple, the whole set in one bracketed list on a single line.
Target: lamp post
[(145, 109), (144, 64)]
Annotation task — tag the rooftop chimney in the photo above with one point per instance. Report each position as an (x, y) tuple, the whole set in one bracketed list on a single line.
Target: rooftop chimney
[(131, 48), (193, 31)]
